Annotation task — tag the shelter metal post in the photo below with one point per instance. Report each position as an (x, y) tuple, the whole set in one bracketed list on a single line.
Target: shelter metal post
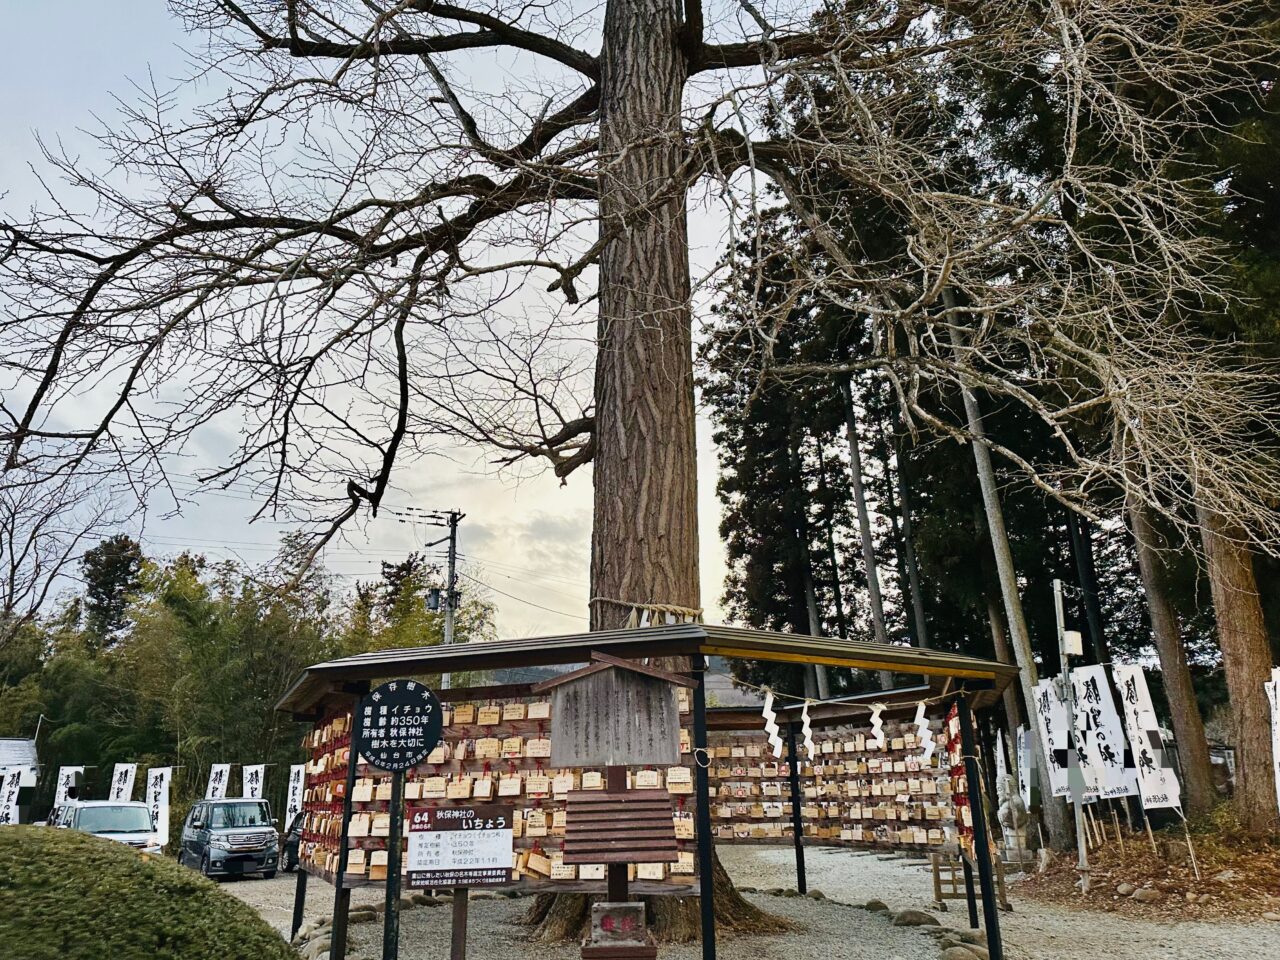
[(981, 842), (968, 891), (706, 849), (797, 824), (299, 902), (341, 892)]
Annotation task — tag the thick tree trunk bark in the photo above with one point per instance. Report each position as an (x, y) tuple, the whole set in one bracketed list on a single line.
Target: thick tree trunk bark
[(864, 528), (1188, 726), (1246, 661), (829, 528), (644, 539), (864, 516), (900, 518), (1055, 809)]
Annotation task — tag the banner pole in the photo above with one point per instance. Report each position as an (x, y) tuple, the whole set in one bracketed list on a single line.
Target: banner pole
[(1191, 849), (1150, 836)]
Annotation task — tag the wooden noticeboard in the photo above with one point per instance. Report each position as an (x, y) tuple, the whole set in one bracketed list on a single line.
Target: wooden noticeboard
[(615, 713)]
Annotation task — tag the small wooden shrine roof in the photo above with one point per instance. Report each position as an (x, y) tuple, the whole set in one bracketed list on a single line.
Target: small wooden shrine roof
[(984, 678)]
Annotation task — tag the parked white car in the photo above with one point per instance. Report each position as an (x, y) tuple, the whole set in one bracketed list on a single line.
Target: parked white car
[(127, 822)]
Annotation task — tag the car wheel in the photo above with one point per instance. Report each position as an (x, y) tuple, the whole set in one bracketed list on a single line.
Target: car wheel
[(204, 867)]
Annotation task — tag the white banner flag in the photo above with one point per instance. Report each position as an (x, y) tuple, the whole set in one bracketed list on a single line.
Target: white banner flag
[(297, 783), (251, 780), (157, 798), (1157, 781), (1055, 734), (219, 774), (1102, 740), (1026, 761), (1273, 694), (122, 778), (12, 780), (66, 780)]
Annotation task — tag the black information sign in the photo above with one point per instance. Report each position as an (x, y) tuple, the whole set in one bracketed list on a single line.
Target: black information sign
[(398, 724)]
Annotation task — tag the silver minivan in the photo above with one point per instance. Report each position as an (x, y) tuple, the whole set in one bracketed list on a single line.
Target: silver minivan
[(125, 821), (229, 838)]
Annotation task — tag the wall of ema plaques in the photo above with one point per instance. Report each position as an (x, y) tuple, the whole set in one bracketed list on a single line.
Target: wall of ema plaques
[(492, 752), (853, 793), (498, 752)]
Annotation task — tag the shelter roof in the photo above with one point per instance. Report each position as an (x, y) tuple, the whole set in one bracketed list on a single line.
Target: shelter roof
[(319, 681)]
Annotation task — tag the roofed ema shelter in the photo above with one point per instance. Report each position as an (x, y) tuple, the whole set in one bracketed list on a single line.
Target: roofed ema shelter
[(499, 745)]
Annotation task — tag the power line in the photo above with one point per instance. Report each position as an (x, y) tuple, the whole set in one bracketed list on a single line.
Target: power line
[(512, 596)]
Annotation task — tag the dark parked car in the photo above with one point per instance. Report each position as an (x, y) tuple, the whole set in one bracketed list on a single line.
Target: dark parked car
[(292, 841), (229, 838)]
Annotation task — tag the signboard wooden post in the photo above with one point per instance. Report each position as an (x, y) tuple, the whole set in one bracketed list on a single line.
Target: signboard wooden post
[(396, 726)]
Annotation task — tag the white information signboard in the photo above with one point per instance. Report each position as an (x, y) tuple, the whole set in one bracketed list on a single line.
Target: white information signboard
[(1273, 697), (460, 847)]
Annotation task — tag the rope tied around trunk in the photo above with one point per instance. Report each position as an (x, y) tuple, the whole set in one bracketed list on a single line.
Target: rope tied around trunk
[(649, 614)]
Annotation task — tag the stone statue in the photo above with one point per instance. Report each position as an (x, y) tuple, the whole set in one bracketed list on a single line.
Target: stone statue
[(1013, 816)]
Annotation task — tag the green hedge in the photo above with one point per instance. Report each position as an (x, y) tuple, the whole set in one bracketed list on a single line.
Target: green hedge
[(69, 896)]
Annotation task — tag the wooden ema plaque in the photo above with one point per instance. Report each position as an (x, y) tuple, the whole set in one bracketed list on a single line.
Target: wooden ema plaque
[(632, 826)]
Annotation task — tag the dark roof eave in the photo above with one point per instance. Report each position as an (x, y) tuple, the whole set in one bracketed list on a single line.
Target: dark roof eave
[(674, 640)]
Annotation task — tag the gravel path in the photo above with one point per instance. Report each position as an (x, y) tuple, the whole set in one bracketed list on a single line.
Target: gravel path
[(495, 934), (832, 931), (1037, 930)]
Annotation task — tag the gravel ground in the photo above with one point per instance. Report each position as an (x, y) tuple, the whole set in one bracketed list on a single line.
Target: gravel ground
[(832, 931), (495, 934), (1036, 930)]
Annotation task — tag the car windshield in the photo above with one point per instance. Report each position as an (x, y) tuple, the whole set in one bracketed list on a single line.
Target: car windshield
[(119, 819), (250, 813)]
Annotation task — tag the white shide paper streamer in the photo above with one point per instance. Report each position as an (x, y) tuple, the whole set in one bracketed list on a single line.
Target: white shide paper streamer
[(925, 734), (771, 724)]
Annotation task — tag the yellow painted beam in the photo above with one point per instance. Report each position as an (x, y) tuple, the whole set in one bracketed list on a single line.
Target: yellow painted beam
[(899, 666)]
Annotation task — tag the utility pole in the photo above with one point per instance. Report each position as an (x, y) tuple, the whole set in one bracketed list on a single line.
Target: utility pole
[(449, 602), (452, 517), (451, 593), (1076, 777)]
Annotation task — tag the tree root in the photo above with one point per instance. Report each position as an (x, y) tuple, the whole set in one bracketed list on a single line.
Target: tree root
[(560, 917)]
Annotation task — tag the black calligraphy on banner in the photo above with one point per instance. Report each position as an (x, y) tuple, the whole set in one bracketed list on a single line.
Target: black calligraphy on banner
[(398, 724)]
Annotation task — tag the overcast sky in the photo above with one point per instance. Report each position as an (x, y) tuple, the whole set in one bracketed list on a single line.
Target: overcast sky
[(529, 542)]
